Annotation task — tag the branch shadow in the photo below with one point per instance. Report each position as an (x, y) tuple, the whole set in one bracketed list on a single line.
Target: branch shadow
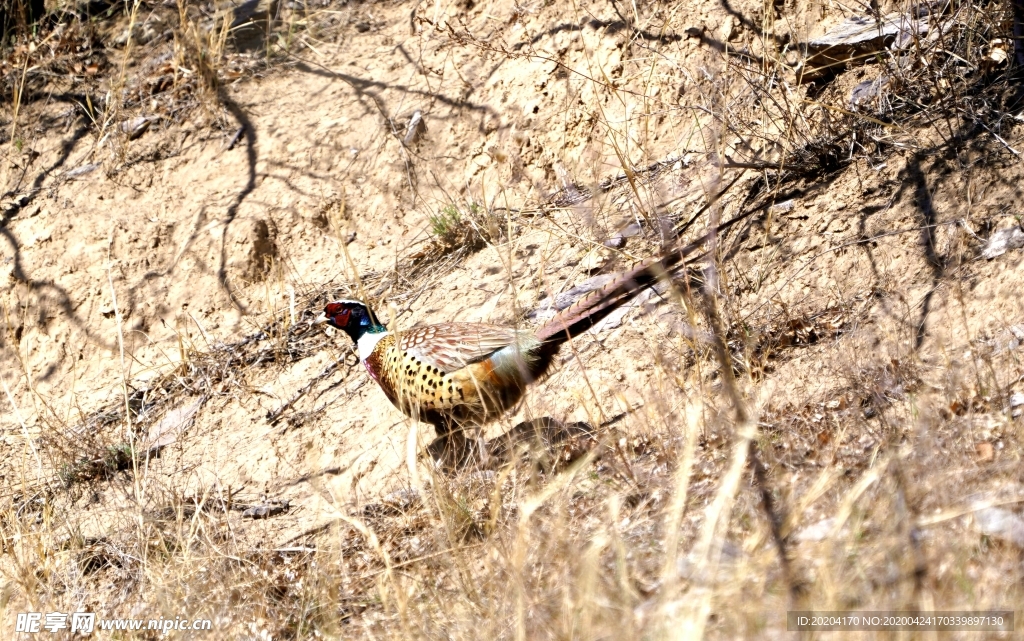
[(925, 205), (370, 89), (47, 290), (249, 133)]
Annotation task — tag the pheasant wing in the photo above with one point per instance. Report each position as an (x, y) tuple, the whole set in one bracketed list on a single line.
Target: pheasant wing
[(452, 346)]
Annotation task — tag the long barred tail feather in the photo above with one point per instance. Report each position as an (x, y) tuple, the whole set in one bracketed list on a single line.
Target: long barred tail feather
[(595, 306)]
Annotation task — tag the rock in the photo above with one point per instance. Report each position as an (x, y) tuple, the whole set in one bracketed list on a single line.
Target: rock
[(858, 38), (395, 503), (615, 242), (867, 96), (172, 426), (1000, 524), (417, 126), (817, 532), (81, 170), (727, 31), (136, 126), (267, 509), (618, 241), (1002, 241), (594, 260)]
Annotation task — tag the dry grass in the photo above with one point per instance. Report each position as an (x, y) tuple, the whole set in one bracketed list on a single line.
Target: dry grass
[(796, 448)]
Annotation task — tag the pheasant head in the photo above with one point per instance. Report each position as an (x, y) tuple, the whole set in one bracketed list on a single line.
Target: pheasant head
[(352, 317)]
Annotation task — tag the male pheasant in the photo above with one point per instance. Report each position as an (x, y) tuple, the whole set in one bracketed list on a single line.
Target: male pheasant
[(454, 374)]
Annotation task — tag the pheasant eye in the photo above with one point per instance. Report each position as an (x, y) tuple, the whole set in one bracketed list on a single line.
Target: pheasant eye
[(333, 309), (341, 317)]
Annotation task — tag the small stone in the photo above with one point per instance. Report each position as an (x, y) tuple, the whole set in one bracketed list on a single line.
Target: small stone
[(266, 510), (817, 532), (1016, 399), (81, 171), (727, 31), (1002, 241), (1001, 524), (867, 95), (985, 452), (135, 127)]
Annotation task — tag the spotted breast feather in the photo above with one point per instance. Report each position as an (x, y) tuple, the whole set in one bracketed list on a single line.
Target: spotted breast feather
[(451, 373)]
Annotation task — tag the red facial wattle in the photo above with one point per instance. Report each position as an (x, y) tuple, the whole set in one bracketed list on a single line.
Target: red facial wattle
[(341, 318)]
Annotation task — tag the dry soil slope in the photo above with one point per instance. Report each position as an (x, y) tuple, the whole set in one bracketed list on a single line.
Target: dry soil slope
[(184, 239)]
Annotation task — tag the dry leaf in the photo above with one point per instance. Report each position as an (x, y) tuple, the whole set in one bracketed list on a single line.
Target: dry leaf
[(172, 425), (997, 53)]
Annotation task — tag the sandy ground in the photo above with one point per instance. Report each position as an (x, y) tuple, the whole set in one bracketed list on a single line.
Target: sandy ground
[(177, 243)]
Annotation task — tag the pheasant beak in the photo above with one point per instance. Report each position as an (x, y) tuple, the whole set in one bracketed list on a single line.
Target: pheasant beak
[(322, 319)]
